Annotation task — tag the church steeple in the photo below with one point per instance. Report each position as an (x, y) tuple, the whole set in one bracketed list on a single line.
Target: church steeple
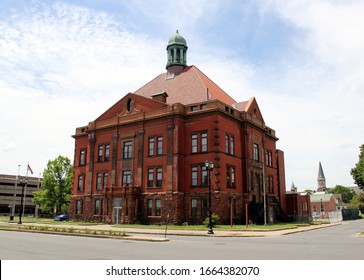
[(321, 181), (176, 54)]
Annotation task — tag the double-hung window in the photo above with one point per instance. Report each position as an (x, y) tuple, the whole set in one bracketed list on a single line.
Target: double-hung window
[(158, 204), (151, 145), (155, 177), (107, 152), (98, 203), (229, 144), (79, 207), (101, 180), (155, 146), (199, 142), (103, 152), (194, 176), (256, 151), (194, 143), (128, 150), (194, 207), (100, 156), (150, 177), (159, 145), (199, 176), (80, 183), (126, 178), (230, 177), (150, 207), (204, 142), (82, 157)]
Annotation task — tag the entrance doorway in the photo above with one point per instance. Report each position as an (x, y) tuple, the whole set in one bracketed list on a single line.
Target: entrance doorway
[(117, 211)]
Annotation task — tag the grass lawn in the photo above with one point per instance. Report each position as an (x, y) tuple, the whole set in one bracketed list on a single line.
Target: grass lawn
[(50, 221), (25, 220), (268, 227)]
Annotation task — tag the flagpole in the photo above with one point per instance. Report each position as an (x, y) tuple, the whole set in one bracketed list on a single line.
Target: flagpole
[(14, 196), (25, 188), (36, 205)]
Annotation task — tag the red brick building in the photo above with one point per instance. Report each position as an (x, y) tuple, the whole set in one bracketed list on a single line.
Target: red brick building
[(143, 159), (325, 203), (299, 207)]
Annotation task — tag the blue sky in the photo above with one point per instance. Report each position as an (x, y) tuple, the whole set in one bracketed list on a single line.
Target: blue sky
[(63, 63)]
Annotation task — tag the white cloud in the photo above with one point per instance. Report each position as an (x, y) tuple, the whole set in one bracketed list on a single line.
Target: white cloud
[(62, 66), (179, 14), (320, 103)]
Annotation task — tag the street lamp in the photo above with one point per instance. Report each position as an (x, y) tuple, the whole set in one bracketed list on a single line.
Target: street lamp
[(209, 166), (23, 183)]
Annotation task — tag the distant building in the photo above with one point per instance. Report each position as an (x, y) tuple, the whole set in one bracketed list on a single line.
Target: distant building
[(321, 180), (11, 192), (299, 206), (305, 206), (143, 159), (326, 206)]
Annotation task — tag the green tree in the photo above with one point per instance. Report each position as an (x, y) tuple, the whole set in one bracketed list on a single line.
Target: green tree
[(347, 194), (358, 202), (358, 171), (55, 192)]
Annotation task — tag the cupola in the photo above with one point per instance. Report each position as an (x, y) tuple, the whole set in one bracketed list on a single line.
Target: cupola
[(176, 51)]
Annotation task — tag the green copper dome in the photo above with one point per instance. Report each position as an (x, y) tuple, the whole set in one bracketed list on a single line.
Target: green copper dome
[(177, 39), (177, 51)]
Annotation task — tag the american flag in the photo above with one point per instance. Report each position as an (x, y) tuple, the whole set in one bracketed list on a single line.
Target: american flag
[(30, 169)]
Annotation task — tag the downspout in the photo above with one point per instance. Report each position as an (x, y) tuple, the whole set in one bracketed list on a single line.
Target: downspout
[(264, 178)]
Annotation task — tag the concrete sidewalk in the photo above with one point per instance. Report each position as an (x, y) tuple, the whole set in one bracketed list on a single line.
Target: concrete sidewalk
[(136, 232)]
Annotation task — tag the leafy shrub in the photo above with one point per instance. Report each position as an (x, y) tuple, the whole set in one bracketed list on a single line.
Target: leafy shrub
[(71, 230), (215, 220)]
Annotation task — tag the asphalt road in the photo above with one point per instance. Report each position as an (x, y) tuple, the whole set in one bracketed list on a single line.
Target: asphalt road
[(333, 243)]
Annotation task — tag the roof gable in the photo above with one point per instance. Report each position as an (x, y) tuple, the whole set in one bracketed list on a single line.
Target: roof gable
[(128, 104), (190, 86), (251, 107)]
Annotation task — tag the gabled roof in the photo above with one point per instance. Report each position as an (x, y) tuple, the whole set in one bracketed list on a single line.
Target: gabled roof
[(190, 86), (251, 107), (138, 103)]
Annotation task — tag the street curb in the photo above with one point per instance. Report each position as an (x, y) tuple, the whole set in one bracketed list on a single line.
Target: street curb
[(134, 238), (198, 233), (236, 233)]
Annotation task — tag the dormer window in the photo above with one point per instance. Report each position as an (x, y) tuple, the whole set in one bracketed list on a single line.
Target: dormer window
[(160, 96)]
